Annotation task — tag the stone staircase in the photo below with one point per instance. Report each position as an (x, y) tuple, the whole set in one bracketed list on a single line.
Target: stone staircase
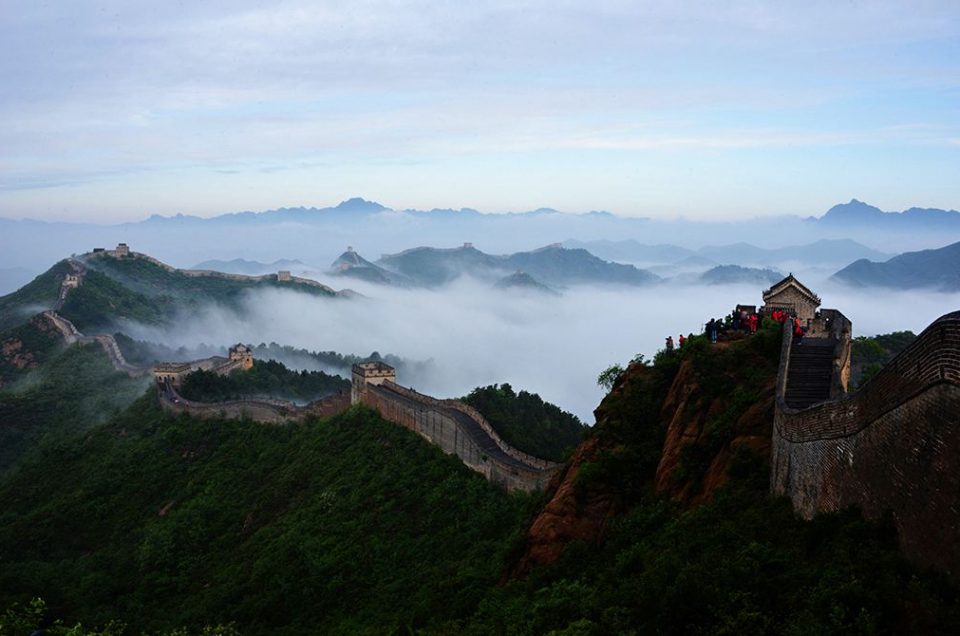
[(809, 373)]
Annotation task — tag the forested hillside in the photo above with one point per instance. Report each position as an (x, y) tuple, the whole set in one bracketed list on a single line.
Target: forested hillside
[(266, 379), (528, 423), (355, 525)]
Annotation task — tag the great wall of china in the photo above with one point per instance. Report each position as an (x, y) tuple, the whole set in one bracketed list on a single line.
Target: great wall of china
[(451, 425), (890, 447)]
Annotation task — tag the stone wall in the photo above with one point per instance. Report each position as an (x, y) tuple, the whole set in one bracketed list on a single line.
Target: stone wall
[(459, 430), (265, 411), (892, 446)]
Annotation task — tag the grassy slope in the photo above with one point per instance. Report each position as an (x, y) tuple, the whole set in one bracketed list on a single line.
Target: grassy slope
[(101, 300), (34, 297), (345, 525), (150, 279)]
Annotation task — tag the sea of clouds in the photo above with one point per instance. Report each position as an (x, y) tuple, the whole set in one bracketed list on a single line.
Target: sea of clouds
[(474, 335)]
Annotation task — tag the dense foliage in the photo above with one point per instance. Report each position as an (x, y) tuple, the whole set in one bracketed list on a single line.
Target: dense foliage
[(742, 564), (74, 390), (526, 422), (353, 525), (350, 525), (266, 379)]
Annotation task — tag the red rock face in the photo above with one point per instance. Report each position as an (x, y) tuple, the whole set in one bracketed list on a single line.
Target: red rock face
[(575, 512), (687, 413), (568, 516)]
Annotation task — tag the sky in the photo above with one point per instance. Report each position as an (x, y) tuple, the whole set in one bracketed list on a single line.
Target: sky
[(116, 110)]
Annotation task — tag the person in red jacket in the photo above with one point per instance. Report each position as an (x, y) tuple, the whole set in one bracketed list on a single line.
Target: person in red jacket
[(682, 340), (753, 323)]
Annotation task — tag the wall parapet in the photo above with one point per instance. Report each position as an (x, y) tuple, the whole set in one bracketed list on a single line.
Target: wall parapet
[(459, 429), (264, 410), (932, 358), (475, 415), (890, 447)]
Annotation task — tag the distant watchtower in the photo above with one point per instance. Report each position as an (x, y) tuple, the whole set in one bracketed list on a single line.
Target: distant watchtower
[(792, 296), (369, 373), (284, 276), (241, 354), (122, 250)]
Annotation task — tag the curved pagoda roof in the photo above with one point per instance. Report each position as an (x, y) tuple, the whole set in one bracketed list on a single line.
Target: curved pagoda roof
[(790, 281)]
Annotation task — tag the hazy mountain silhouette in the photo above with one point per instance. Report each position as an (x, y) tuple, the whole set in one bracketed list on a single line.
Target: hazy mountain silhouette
[(250, 268), (524, 282), (732, 274), (939, 268), (352, 265), (432, 266), (859, 214)]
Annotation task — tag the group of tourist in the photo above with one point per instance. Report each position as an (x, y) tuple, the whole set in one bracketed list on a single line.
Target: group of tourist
[(742, 320), (682, 340), (782, 316)]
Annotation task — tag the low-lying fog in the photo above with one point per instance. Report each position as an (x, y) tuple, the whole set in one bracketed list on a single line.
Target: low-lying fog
[(554, 346)]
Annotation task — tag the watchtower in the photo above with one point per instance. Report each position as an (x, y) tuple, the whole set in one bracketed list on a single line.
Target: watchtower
[(284, 276), (792, 296), (369, 373), (122, 250), (241, 354)]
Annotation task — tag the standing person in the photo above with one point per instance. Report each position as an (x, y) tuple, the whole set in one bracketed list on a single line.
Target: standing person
[(669, 343), (753, 323), (682, 341), (712, 330), (736, 320)]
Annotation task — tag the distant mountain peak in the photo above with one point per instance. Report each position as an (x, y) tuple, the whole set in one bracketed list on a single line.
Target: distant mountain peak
[(358, 204)]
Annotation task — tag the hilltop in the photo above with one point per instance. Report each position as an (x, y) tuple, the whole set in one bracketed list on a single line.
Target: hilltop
[(522, 281), (138, 288), (930, 269), (857, 213), (432, 267), (249, 268), (730, 274)]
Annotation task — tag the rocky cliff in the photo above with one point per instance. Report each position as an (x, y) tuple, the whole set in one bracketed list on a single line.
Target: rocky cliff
[(677, 429)]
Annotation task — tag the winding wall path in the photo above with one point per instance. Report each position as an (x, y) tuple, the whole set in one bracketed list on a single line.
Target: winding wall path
[(452, 425), (459, 429)]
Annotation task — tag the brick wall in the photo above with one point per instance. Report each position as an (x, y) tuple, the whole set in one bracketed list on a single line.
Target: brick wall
[(892, 446), (460, 431)]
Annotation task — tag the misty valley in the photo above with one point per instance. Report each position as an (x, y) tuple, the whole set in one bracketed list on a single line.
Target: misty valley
[(573, 437)]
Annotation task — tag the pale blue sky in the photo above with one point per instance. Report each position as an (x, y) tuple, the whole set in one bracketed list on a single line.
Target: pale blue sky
[(117, 110)]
